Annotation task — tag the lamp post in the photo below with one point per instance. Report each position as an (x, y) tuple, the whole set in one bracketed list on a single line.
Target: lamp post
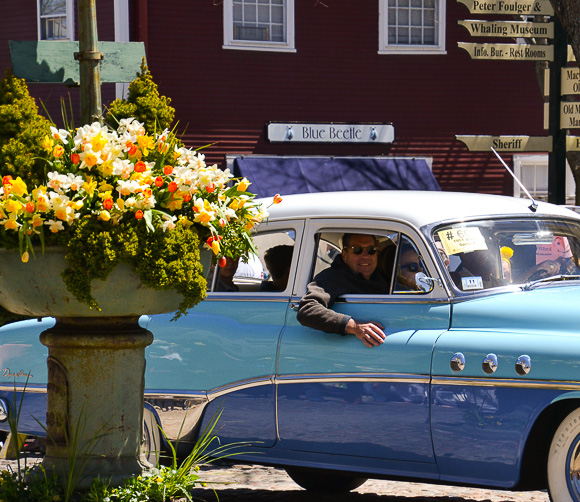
[(89, 58)]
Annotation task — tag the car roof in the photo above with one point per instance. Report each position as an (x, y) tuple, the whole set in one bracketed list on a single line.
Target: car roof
[(418, 208)]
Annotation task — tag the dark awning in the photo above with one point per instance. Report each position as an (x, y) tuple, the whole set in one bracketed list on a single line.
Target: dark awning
[(288, 175)]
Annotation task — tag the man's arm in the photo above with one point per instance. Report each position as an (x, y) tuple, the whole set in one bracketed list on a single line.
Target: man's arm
[(314, 310)]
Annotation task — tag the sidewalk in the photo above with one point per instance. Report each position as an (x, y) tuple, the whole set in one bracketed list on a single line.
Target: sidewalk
[(244, 483)]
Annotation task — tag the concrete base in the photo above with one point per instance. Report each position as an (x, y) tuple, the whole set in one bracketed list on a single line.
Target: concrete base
[(96, 381)]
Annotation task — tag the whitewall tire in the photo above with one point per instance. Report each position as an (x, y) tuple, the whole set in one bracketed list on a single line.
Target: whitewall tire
[(564, 461)]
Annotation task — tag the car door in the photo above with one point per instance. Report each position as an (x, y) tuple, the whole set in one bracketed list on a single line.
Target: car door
[(226, 348), (337, 396)]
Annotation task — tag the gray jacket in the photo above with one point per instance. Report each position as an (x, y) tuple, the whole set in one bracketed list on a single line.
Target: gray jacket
[(314, 310)]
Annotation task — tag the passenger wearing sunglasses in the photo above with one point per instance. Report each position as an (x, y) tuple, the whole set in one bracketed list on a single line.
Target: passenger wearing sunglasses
[(409, 265), (354, 271)]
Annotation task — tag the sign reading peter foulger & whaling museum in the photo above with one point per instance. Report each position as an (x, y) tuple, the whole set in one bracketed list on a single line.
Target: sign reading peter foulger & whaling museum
[(507, 29), (298, 132)]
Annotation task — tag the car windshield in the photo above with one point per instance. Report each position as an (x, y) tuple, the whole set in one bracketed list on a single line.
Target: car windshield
[(487, 254)]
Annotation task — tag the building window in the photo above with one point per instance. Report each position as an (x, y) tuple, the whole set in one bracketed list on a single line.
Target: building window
[(411, 26), (55, 19), (259, 25), (532, 171)]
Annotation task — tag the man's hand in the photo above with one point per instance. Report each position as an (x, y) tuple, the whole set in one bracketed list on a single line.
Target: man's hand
[(369, 333)]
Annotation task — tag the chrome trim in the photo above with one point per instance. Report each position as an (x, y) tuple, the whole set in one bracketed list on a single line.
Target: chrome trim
[(4, 409), (243, 296), (523, 365), (457, 362), (351, 377), (235, 386), (382, 300), (489, 364), (23, 388), (179, 417), (506, 382)]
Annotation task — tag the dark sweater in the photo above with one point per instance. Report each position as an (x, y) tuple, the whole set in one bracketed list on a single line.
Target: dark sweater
[(314, 310)]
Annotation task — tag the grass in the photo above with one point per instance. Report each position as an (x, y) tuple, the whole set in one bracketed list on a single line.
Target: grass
[(162, 484)]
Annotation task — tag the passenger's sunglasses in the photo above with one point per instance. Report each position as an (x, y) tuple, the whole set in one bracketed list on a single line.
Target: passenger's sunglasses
[(413, 266), (371, 250)]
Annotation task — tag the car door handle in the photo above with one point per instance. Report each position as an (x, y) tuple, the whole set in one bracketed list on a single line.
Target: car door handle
[(294, 306)]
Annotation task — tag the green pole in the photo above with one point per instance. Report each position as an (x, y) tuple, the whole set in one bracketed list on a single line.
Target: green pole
[(89, 58), (557, 157)]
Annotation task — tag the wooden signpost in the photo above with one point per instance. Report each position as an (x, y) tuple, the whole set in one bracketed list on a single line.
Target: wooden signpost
[(87, 63), (562, 80)]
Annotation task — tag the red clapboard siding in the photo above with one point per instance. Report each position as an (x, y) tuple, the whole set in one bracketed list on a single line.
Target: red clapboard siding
[(227, 97)]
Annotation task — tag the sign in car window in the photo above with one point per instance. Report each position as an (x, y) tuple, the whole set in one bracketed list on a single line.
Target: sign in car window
[(462, 240)]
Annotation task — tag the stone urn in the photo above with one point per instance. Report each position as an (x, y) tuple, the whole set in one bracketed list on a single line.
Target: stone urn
[(96, 362)]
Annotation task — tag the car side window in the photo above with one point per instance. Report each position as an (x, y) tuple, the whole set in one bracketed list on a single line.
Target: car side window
[(268, 271), (398, 259), (409, 264)]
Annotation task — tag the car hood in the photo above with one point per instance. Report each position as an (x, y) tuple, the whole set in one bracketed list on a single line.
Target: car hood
[(547, 307)]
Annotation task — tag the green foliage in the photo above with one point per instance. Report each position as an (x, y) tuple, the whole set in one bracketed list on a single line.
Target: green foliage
[(143, 103), (21, 131), (160, 484), (163, 260)]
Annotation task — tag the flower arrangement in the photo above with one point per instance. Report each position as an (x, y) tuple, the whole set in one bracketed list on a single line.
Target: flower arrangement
[(125, 195)]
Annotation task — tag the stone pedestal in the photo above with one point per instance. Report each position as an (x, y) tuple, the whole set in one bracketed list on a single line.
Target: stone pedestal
[(96, 370)]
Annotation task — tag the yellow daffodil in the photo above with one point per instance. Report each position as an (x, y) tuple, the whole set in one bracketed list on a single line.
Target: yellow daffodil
[(106, 169), (105, 187), (37, 221), (90, 186), (90, 159), (104, 215), (174, 204), (25, 257), (145, 143), (14, 206), (47, 143), (98, 142), (243, 185), (19, 187), (11, 223)]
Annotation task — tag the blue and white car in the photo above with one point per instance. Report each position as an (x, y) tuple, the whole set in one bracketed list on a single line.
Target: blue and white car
[(477, 382)]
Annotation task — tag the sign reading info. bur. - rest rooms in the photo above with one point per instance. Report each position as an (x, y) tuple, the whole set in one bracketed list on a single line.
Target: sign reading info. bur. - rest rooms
[(298, 132)]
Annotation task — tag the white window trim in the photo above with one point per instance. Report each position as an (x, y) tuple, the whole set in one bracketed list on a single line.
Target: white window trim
[(121, 35), (230, 43), (70, 21), (385, 48), (541, 159)]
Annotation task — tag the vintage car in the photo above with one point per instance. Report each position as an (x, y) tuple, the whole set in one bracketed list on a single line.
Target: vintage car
[(476, 383)]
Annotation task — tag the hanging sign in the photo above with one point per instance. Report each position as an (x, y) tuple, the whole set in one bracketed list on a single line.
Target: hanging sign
[(507, 143), (510, 7), (570, 115), (299, 132), (511, 29), (509, 52)]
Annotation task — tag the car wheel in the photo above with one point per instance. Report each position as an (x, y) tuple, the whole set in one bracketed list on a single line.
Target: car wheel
[(564, 461), (151, 446), (321, 481)]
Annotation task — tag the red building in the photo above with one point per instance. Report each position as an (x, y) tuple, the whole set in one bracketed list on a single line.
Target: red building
[(231, 67)]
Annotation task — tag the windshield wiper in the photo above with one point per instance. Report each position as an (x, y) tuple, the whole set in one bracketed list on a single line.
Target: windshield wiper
[(553, 278)]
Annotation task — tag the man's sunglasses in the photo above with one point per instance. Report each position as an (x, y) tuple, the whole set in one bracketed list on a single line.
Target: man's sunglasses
[(371, 250), (413, 266)]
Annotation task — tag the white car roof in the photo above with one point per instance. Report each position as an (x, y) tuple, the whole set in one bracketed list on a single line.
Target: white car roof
[(418, 208)]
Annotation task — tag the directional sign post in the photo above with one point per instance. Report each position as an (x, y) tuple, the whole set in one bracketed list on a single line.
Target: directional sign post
[(557, 157), (561, 115)]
